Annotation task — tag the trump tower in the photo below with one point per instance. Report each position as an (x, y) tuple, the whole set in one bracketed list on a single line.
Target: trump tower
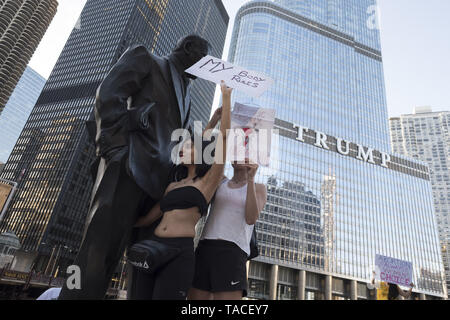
[(337, 196)]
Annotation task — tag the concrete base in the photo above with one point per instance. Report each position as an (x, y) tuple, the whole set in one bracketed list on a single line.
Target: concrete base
[(273, 282), (23, 261), (328, 287), (301, 285), (353, 290)]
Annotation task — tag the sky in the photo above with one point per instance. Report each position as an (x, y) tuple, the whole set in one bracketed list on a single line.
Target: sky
[(415, 45)]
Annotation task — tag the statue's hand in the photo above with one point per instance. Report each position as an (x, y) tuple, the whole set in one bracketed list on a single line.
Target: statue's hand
[(139, 118)]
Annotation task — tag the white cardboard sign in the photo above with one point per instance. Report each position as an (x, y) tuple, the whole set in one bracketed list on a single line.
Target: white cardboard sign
[(394, 271), (256, 125), (215, 70)]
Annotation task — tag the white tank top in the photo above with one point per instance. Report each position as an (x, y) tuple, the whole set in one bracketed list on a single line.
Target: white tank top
[(226, 220)]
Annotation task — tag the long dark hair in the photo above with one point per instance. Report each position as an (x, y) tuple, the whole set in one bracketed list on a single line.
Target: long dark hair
[(180, 172), (393, 292)]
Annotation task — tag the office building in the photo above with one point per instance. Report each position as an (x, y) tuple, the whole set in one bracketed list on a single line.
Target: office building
[(336, 196), (425, 136), (18, 109), (51, 160), (23, 23), (9, 244)]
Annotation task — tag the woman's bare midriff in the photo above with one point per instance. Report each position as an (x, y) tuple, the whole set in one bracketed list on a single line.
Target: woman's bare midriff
[(178, 224)]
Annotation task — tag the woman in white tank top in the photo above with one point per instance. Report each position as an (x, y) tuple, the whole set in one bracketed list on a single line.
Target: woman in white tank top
[(224, 247)]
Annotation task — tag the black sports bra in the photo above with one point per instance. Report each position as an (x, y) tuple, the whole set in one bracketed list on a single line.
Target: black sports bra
[(184, 198)]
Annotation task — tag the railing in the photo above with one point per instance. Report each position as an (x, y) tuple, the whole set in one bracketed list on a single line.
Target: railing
[(27, 278), (33, 279)]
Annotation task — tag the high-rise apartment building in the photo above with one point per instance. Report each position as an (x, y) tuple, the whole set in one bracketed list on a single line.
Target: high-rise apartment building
[(23, 23), (18, 109), (51, 160), (425, 135), (336, 196)]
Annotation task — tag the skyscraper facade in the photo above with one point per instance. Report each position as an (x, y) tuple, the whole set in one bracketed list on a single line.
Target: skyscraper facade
[(18, 109), (51, 160), (22, 25), (336, 196), (425, 135)]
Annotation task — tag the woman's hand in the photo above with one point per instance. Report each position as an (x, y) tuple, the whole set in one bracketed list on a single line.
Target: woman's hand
[(140, 223), (146, 221), (226, 91), (252, 168)]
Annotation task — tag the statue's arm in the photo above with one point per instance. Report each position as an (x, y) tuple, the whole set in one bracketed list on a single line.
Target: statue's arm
[(124, 80)]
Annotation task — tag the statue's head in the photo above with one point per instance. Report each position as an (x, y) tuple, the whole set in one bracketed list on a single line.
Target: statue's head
[(190, 50)]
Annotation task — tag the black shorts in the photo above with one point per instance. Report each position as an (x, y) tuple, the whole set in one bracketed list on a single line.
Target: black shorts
[(220, 266)]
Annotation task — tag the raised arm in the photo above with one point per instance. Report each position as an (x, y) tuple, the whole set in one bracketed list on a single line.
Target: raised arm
[(214, 120), (215, 174), (405, 294), (211, 124), (256, 195), (225, 119), (256, 200), (123, 81)]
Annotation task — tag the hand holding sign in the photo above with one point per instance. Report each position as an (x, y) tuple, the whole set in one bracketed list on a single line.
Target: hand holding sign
[(253, 134), (252, 168), (226, 90), (213, 69)]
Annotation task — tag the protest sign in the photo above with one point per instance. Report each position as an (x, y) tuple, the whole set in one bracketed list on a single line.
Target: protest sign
[(255, 137), (394, 271), (213, 69)]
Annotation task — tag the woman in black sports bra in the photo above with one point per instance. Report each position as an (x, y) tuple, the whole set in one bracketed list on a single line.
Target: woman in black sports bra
[(186, 200)]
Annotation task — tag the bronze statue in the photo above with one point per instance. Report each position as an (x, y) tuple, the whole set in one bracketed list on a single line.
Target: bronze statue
[(143, 99)]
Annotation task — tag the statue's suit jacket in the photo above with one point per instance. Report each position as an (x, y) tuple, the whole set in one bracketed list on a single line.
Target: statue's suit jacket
[(139, 105)]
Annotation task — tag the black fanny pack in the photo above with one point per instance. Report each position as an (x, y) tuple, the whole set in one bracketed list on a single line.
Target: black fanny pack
[(149, 255)]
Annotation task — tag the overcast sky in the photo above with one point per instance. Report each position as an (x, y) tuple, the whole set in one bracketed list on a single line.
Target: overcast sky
[(415, 43)]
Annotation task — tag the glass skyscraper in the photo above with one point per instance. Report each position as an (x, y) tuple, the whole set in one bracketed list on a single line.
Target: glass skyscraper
[(425, 135), (18, 109), (52, 157), (336, 197)]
